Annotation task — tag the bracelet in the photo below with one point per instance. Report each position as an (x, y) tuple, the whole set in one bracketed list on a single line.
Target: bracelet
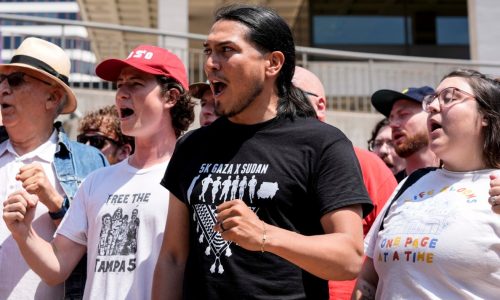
[(264, 237), (62, 211)]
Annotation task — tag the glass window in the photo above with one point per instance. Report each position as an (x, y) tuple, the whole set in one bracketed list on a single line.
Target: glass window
[(359, 30), (452, 31)]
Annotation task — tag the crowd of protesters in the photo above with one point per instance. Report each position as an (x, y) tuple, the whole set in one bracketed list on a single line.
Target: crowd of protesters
[(264, 201)]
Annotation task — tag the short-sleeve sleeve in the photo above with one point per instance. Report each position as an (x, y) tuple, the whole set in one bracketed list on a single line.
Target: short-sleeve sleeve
[(74, 225)]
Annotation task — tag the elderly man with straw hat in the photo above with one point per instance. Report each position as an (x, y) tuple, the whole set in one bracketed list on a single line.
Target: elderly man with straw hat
[(38, 162)]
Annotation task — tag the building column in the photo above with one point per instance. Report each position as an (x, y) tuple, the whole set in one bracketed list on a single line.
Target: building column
[(173, 16), (483, 33)]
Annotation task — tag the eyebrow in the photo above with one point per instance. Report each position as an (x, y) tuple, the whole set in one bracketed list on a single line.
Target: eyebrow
[(133, 77), (218, 44)]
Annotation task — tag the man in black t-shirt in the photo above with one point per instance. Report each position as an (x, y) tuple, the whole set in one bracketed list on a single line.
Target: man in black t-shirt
[(297, 221)]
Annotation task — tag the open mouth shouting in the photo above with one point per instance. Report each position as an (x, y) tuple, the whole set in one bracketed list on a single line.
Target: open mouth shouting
[(434, 127), (218, 87), (5, 105), (126, 112)]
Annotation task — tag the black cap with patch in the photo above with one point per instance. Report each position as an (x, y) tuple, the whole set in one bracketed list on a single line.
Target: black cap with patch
[(383, 100)]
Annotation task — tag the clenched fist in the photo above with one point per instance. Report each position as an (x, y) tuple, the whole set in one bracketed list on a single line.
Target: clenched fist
[(18, 212)]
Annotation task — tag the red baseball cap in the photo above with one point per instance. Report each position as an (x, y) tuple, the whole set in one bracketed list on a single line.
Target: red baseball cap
[(150, 59)]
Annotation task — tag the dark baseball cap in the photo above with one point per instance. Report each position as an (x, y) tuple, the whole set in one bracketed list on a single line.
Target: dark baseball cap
[(198, 89), (383, 100)]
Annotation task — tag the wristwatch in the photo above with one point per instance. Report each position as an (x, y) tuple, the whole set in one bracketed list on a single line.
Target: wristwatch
[(62, 211)]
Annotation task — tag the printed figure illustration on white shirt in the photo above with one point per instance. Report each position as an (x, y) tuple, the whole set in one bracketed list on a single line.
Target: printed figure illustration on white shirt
[(118, 235), (415, 234), (204, 211)]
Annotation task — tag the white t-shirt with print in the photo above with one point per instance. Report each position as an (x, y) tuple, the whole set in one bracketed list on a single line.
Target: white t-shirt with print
[(119, 213), (440, 240)]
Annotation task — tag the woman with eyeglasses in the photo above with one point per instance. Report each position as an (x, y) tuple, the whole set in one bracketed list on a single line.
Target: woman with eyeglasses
[(381, 144), (440, 238)]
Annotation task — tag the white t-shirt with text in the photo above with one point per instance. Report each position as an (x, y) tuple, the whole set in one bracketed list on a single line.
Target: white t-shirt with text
[(119, 213), (441, 240)]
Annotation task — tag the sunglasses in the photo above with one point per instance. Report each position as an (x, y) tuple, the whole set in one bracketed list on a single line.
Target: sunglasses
[(97, 141), (17, 78)]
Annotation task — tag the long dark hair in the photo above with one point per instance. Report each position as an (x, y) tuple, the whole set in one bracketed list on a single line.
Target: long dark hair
[(269, 32), (487, 92)]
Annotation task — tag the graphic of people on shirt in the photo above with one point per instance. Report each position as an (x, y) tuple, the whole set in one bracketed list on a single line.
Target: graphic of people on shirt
[(242, 185), (234, 187), (103, 236), (130, 245), (191, 187), (118, 235), (116, 227), (215, 188), (121, 236), (226, 184), (205, 183), (251, 188)]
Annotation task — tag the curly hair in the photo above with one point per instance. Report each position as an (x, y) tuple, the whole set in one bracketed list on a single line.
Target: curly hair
[(93, 121), (182, 112)]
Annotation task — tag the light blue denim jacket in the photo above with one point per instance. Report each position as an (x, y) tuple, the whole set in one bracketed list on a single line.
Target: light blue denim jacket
[(73, 161)]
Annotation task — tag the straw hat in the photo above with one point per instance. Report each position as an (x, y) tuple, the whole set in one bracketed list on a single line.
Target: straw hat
[(48, 60)]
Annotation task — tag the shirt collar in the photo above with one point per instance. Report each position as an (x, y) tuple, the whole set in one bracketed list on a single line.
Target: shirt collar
[(44, 152)]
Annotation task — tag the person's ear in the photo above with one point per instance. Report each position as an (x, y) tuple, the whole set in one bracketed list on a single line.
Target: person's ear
[(172, 96), (123, 152), (275, 61), (54, 98), (484, 122), (321, 108)]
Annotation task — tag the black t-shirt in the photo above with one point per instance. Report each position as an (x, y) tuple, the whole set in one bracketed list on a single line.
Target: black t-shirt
[(290, 173)]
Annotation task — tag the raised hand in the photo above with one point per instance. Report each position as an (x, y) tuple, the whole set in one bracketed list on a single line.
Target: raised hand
[(494, 191), (36, 182), (18, 212), (236, 222)]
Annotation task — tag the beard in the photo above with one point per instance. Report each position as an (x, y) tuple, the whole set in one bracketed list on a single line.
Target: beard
[(412, 144), (241, 104)]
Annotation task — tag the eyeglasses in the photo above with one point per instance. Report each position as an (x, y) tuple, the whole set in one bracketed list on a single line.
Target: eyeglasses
[(375, 145), (97, 141), (446, 97), (17, 78)]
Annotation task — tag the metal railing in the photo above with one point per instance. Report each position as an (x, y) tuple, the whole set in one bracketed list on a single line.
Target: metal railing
[(349, 77)]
